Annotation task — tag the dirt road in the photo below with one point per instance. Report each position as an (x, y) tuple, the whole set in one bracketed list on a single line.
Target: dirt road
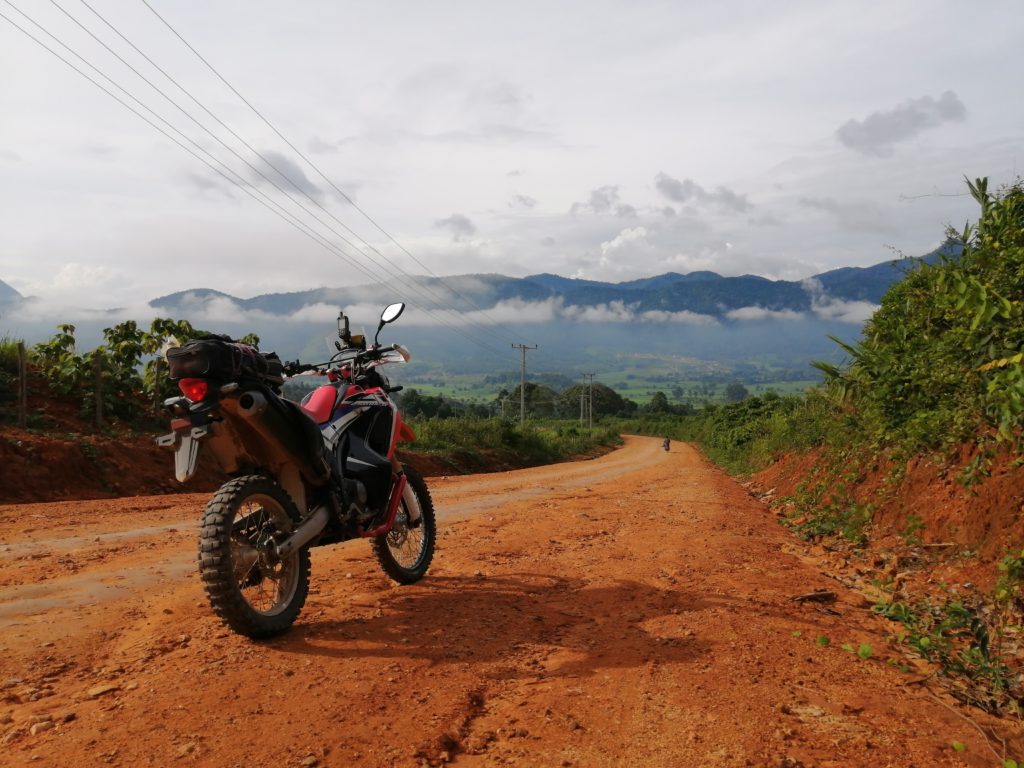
[(633, 610)]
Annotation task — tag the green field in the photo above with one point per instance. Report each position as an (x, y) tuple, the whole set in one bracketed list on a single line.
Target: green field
[(637, 384)]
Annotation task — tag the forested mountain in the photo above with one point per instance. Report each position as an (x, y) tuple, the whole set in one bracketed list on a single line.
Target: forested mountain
[(704, 293)]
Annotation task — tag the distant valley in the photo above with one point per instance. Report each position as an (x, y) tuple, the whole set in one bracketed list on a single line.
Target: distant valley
[(670, 329)]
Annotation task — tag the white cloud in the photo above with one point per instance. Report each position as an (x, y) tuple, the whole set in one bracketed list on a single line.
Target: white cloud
[(315, 313), (612, 312), (826, 306), (760, 313), (622, 241), (683, 317)]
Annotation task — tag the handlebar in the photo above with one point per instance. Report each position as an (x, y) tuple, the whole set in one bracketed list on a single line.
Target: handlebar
[(294, 368)]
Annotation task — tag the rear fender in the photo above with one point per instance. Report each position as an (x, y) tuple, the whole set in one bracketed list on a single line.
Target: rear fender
[(186, 442)]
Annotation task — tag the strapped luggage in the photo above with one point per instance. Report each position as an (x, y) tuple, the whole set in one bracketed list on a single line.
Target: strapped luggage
[(221, 358)]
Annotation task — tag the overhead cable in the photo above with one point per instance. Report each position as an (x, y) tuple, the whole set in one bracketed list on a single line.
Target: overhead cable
[(405, 280), (253, 192), (393, 269), (311, 164)]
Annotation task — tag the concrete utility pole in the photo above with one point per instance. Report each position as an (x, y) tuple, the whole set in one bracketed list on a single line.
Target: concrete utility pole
[(590, 400), (522, 383)]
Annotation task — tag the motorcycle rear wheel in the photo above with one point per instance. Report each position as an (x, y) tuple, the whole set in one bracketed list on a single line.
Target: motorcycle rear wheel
[(405, 552), (253, 592)]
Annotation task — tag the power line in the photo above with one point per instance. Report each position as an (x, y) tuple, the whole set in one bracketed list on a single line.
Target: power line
[(309, 162), (334, 248), (407, 280), (281, 213)]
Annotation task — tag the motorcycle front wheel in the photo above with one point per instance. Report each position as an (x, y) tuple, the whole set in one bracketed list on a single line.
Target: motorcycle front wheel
[(253, 591), (405, 552)]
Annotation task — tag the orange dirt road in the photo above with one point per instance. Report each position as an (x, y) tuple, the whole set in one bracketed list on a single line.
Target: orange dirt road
[(632, 610)]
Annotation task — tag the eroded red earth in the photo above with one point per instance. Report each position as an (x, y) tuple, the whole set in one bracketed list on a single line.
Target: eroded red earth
[(632, 610)]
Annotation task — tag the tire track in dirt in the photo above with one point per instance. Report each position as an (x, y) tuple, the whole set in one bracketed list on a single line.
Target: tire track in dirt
[(631, 610)]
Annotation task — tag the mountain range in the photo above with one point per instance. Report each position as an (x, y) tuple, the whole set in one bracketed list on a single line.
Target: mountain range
[(8, 294), (702, 293), (677, 325)]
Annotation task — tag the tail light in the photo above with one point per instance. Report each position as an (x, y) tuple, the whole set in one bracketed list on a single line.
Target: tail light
[(194, 389)]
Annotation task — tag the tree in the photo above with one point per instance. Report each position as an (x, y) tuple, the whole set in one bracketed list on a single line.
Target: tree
[(540, 400), (659, 404), (736, 392), (607, 402), (414, 403)]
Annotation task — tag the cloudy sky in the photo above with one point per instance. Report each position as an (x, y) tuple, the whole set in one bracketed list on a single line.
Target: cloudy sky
[(601, 140)]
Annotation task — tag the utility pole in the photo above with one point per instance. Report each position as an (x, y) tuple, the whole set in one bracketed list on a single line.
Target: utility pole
[(522, 383), (590, 400)]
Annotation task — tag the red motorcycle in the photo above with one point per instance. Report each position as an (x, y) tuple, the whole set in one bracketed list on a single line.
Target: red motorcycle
[(303, 475)]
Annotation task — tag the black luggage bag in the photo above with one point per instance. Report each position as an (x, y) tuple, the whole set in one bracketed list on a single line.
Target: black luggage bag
[(220, 358)]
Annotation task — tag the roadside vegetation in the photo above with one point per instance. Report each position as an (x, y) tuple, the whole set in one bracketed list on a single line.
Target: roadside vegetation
[(940, 364), (469, 444), (937, 376), (119, 386)]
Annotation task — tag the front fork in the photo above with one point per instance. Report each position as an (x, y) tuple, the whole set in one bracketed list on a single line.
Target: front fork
[(412, 502)]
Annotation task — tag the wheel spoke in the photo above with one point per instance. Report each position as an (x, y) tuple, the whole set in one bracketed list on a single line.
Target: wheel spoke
[(266, 585), (405, 543)]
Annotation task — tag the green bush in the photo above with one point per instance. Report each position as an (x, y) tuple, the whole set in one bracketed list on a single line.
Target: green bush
[(462, 438), (941, 361), (746, 435)]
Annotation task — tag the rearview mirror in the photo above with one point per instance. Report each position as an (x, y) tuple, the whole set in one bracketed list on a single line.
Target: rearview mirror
[(389, 315), (392, 312)]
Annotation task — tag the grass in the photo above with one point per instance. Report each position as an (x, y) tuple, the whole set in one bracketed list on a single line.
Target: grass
[(463, 440), (9, 355), (8, 374)]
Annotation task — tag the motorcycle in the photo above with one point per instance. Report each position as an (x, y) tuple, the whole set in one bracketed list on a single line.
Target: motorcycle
[(302, 475), (666, 444)]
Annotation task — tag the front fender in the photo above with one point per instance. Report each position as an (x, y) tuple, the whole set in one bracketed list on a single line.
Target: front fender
[(405, 432)]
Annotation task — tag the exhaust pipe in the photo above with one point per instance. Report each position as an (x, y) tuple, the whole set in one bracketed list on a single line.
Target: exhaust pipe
[(252, 404), (304, 534)]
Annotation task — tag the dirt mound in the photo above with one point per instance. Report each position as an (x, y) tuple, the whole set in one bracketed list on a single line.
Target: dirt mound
[(89, 465), (928, 505), (37, 467)]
